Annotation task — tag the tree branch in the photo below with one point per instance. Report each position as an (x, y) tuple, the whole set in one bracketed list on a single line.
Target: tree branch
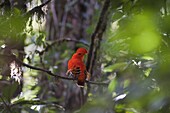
[(97, 83), (45, 70), (37, 8), (62, 40), (96, 37), (37, 102)]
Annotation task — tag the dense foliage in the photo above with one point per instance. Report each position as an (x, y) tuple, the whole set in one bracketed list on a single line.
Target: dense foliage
[(130, 73)]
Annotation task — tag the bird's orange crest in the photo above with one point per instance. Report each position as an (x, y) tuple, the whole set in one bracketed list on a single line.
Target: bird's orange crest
[(81, 50), (80, 54)]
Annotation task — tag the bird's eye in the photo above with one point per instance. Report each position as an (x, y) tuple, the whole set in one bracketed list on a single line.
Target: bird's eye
[(79, 54)]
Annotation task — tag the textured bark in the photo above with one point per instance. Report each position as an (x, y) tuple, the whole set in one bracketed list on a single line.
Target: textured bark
[(96, 37)]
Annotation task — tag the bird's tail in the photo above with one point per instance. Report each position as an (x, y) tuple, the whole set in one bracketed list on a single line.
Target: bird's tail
[(81, 80), (80, 83)]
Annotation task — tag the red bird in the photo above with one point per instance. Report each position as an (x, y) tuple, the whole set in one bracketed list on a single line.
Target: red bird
[(77, 67)]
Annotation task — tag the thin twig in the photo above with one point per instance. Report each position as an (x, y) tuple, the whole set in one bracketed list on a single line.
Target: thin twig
[(62, 40), (37, 102), (58, 76), (97, 83), (47, 71), (43, 70), (37, 8)]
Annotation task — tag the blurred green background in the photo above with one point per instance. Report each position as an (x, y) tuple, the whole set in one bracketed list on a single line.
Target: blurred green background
[(133, 59)]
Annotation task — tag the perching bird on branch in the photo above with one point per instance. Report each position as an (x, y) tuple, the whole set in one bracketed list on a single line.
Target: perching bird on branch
[(77, 68)]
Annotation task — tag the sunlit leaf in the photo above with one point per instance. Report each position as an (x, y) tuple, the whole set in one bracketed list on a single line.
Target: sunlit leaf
[(145, 42), (144, 36), (117, 15), (147, 72), (112, 85), (147, 58), (117, 66)]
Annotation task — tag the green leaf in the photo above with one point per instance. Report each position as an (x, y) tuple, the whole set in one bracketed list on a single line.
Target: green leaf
[(16, 100), (9, 90), (112, 85), (147, 72), (117, 15), (118, 66), (16, 11), (147, 58), (127, 6), (40, 39)]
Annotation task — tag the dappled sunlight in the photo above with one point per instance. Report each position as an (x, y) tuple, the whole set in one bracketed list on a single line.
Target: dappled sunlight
[(78, 56), (145, 36), (144, 42)]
